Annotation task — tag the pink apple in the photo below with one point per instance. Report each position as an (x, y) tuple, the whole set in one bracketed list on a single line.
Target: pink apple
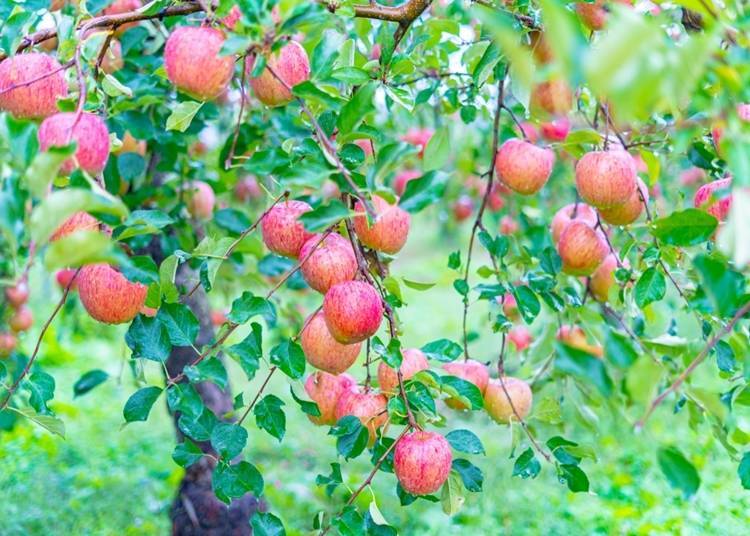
[(80, 221), (603, 278), (64, 278), (553, 97), (520, 337), (403, 178), (568, 213), (328, 262), (389, 231), (500, 402), (8, 343), (422, 462), (200, 200), (705, 198), (581, 248), (463, 208), (122, 6), (282, 232), (471, 371), (353, 311), (90, 134), (38, 99), (193, 62), (508, 225), (22, 319), (413, 361), (366, 145), (323, 351), (556, 129), (419, 137), (247, 188), (629, 211), (291, 65), (108, 296), (369, 407), (606, 179), (530, 132), (523, 166), (18, 294), (325, 390)]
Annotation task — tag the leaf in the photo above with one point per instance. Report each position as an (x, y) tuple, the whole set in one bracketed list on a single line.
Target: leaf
[(88, 381), (249, 351), (41, 387), (79, 248), (44, 168), (423, 192), (247, 306), (289, 357), (354, 111), (198, 427), (140, 269), (48, 422), (451, 497), (182, 115), (270, 417), (464, 390), (232, 220), (181, 324), (465, 441), (266, 524), (183, 397), (438, 150), (148, 338), (443, 350), (351, 436), (471, 476), (324, 216), (724, 286), (186, 453), (527, 302), (211, 369), (584, 366), (743, 471), (232, 481), (309, 408), (619, 350), (130, 166), (651, 287), (416, 285), (138, 406), (527, 466), (228, 439), (574, 477), (685, 228), (679, 471), (141, 222)]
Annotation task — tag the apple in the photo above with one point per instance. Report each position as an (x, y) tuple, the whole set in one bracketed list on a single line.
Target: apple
[(603, 278), (282, 232), (463, 208), (581, 248), (291, 64), (8, 343), (325, 390), (419, 137), (524, 167), (629, 211), (38, 99), (107, 296), (508, 225), (369, 407), (200, 200), (471, 371), (112, 61), (218, 318), (64, 278), (743, 111), (123, 6), (413, 361), (692, 175), (366, 145), (323, 351), (556, 130), (90, 134), (540, 47), (80, 221), (530, 132), (21, 320), (568, 213), (18, 294), (232, 18), (327, 262), (193, 62), (592, 15), (706, 200), (520, 337), (575, 337), (353, 311), (403, 178), (422, 462), (389, 231), (553, 97), (606, 179), (247, 188), (500, 406), (131, 145), (510, 306)]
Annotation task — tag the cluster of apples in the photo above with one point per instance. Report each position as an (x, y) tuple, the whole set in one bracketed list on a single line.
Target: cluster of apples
[(20, 319)]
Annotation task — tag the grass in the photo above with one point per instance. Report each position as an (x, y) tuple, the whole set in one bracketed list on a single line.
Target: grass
[(105, 479)]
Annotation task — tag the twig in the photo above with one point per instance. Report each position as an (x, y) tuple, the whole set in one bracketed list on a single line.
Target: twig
[(243, 99), (53, 72), (257, 396)]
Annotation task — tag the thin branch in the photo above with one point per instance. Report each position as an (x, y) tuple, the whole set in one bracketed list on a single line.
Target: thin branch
[(53, 72), (243, 99), (257, 396)]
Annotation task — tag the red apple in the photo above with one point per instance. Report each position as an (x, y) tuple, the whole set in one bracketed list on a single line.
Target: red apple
[(581, 248), (629, 211), (523, 166), (389, 231), (18, 294), (575, 337), (422, 462), (323, 351), (556, 130), (325, 390), (419, 137), (413, 361), (291, 64), (247, 188), (8, 343), (327, 262), (108, 296), (232, 18), (553, 97), (64, 278), (565, 215), (500, 406), (80, 221), (606, 179), (508, 225), (193, 62), (38, 99), (353, 311), (520, 337), (471, 371), (603, 278), (692, 175), (282, 232), (463, 208), (218, 318), (592, 15), (705, 198), (510, 306), (90, 134), (22, 319), (200, 200), (368, 407), (540, 47), (122, 6), (403, 178)]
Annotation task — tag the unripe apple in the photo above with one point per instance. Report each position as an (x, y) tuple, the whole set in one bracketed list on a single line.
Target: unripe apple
[(291, 64), (471, 371), (581, 248), (592, 15), (369, 408), (323, 351), (366, 145), (565, 215), (500, 405), (556, 130), (413, 361), (8, 343), (22, 320), (112, 60), (520, 337), (200, 200), (353, 311), (327, 262), (325, 390), (108, 296), (193, 62), (553, 97), (422, 462), (575, 337), (122, 6), (282, 232), (91, 137), (606, 179), (419, 137), (706, 200), (18, 294), (524, 167), (463, 208), (38, 99), (508, 225), (80, 221), (403, 178), (389, 231), (247, 188), (629, 211), (64, 278), (603, 278)]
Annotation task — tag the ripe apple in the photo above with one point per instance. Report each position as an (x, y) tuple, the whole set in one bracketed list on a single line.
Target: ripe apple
[(575, 337), (524, 167), (565, 215), (90, 134), (80, 221), (323, 351), (419, 137), (592, 15), (108, 296), (471, 371), (325, 390), (403, 178), (123, 6), (282, 232), (369, 407), (200, 200), (327, 262), (18, 294), (463, 208), (113, 61), (8, 343), (247, 188), (540, 47), (629, 211), (233, 17), (603, 278), (529, 132), (508, 225), (422, 462), (366, 145), (520, 337), (218, 318), (581, 248), (553, 97), (510, 306), (692, 175), (21, 320), (556, 129), (353, 311), (389, 231), (606, 179), (193, 62), (291, 64), (65, 276), (706, 200), (413, 361), (500, 405), (38, 99)]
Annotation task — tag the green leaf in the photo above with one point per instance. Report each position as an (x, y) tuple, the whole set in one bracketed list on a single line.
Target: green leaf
[(679, 471), (685, 228), (232, 481), (183, 397), (139, 404), (182, 115), (198, 427), (309, 408), (41, 387), (247, 306), (79, 248), (471, 476), (130, 166), (743, 471), (48, 422), (724, 286), (141, 222), (584, 366), (442, 350), (351, 436), (186, 453), (167, 273), (451, 496), (211, 369), (465, 441), (289, 357), (618, 349), (181, 324), (324, 216), (354, 111), (232, 220), (228, 439), (140, 269), (464, 390), (651, 287), (438, 150), (416, 285), (88, 381), (148, 338), (249, 351), (270, 417), (266, 524), (528, 303), (527, 466), (44, 168), (574, 477), (423, 192)]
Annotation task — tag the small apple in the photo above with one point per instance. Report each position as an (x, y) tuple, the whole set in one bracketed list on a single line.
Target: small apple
[(323, 351), (325, 390), (524, 167), (282, 232), (463, 208), (413, 361), (556, 130), (581, 248), (108, 296), (568, 213), (22, 319), (508, 225), (18, 294), (389, 231), (218, 318), (419, 137), (705, 198), (200, 200), (80, 221), (592, 14), (123, 6), (233, 17), (327, 262), (64, 278), (603, 278), (131, 145), (369, 407), (540, 47), (422, 462), (247, 188), (743, 111), (629, 211), (553, 97), (90, 134), (575, 337), (606, 179), (520, 337), (500, 406), (353, 311), (290, 64), (509, 305), (403, 178), (8, 343), (366, 145), (37, 99), (471, 371)]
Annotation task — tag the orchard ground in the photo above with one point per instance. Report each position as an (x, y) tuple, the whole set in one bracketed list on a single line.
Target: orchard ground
[(100, 480)]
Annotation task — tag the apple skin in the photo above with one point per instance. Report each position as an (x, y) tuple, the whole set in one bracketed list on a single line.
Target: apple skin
[(629, 211), (18, 294), (523, 167), (540, 47), (353, 311), (65, 276), (39, 99), (327, 262), (508, 225), (325, 390), (403, 178), (605, 179), (90, 134), (603, 278), (463, 208), (530, 132), (8, 343), (413, 361), (704, 199), (592, 15), (80, 221), (323, 351), (193, 63), (520, 337), (556, 129), (200, 200), (108, 296), (553, 97), (422, 462), (247, 188), (575, 337), (471, 371), (366, 145), (218, 318), (282, 232), (510, 306), (291, 64), (122, 6), (498, 404), (369, 408), (581, 248), (389, 230), (564, 216), (21, 320), (419, 137)]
